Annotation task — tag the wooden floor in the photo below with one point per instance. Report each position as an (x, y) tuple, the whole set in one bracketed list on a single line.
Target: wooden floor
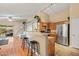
[(14, 48), (61, 50)]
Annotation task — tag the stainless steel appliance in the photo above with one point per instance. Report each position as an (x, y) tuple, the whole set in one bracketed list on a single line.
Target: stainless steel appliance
[(63, 34)]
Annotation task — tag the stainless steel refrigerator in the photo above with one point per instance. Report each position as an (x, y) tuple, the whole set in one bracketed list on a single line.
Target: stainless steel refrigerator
[(63, 34)]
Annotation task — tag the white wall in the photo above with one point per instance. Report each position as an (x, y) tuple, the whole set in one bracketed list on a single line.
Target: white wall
[(74, 25), (74, 33)]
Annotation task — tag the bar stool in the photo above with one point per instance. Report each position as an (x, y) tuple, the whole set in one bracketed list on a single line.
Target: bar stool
[(26, 44), (35, 48)]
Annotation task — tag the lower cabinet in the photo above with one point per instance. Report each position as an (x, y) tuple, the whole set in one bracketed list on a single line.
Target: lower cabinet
[(51, 47)]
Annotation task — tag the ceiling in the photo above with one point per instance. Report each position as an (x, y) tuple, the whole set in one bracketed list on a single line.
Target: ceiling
[(26, 10), (56, 7), (23, 10), (20, 9)]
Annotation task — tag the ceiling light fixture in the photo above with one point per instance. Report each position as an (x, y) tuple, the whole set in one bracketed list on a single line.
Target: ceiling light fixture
[(49, 6), (10, 18)]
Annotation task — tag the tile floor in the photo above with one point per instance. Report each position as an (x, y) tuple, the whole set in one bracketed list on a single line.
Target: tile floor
[(61, 50)]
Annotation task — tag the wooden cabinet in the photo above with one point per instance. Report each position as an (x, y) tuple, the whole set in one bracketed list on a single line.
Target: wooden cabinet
[(43, 26), (52, 26), (51, 46), (51, 37)]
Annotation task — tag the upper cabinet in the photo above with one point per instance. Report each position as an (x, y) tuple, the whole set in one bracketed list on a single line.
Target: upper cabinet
[(43, 26), (46, 26)]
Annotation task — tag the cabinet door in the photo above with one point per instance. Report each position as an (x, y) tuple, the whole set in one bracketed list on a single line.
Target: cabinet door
[(51, 47), (74, 33)]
